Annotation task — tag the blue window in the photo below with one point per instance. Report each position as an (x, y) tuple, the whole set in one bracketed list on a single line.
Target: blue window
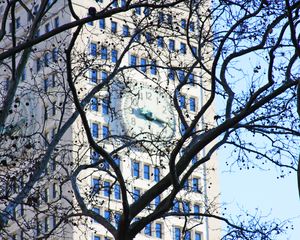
[(175, 206), (105, 131), (186, 185), (103, 75), (146, 172), (113, 27), (54, 54), (158, 230), (46, 84), (105, 165), (182, 128), (107, 215), (96, 210), (94, 157), (161, 17), (171, 74), (136, 194), (106, 189), (194, 159), (195, 187), (93, 49), (192, 26), (198, 236), (143, 65), (96, 238), (117, 218), (46, 59), (136, 169), (105, 106), (156, 200), (180, 75), (171, 45), (138, 11), (196, 210), (38, 64), (133, 60), (94, 104), (115, 3), (102, 23), (177, 233), (47, 28), (147, 11), (93, 75), (123, 3), (182, 101), (156, 174), (153, 69), (147, 229), (95, 130), (56, 22), (194, 51), (186, 207), (23, 74), (117, 160), (183, 48), (117, 192), (192, 104), (191, 78), (114, 55), (137, 36), (183, 23), (148, 37), (103, 52), (187, 235), (96, 186), (160, 41), (170, 19), (125, 31)]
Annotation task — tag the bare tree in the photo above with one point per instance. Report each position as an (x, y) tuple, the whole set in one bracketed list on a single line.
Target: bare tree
[(57, 76)]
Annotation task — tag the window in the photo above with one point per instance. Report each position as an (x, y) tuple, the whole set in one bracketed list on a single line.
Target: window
[(170, 19), (53, 108), (177, 233), (137, 36), (146, 171), (183, 23), (183, 48), (191, 78), (46, 59), (171, 45), (107, 215), (180, 75), (117, 218), (117, 192), (38, 64), (117, 160), (138, 11), (182, 101), (106, 189), (198, 236), (192, 104), (158, 230), (23, 77), (102, 23), (186, 207), (136, 169), (115, 3), (160, 41), (153, 69), (114, 55), (96, 238), (161, 17), (156, 200), (95, 130), (56, 22), (133, 60), (93, 75), (54, 192), (46, 84), (192, 26), (194, 159), (18, 22), (105, 106), (54, 54), (97, 211), (94, 104), (125, 31), (194, 51), (182, 128), (95, 186), (46, 113), (156, 174), (187, 235), (186, 185), (147, 229), (103, 75), (123, 3), (105, 132), (93, 49), (136, 194), (103, 53), (148, 37), (176, 206), (143, 65), (195, 187), (47, 27), (147, 11), (94, 157), (196, 210), (171, 74), (113, 27)]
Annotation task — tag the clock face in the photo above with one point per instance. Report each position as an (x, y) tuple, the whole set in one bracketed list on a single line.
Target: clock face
[(148, 112)]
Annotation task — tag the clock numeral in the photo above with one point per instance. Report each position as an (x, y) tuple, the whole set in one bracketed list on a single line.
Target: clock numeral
[(134, 102), (148, 96), (164, 109), (133, 121)]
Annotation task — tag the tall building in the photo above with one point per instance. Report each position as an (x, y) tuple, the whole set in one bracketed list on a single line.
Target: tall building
[(140, 88)]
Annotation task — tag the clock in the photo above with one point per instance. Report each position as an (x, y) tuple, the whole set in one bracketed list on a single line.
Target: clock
[(147, 112)]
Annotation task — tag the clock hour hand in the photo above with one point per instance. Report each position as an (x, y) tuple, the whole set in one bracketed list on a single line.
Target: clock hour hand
[(150, 116)]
